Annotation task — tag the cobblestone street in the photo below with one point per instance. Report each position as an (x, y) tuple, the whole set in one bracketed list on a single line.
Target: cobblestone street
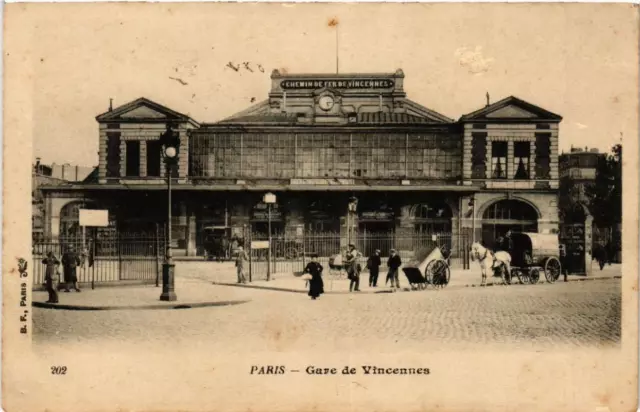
[(521, 316)]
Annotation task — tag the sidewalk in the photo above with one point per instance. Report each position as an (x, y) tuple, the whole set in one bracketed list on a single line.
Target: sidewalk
[(190, 292), (287, 282)]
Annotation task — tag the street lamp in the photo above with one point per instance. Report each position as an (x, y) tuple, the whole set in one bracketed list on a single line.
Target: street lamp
[(170, 141), (472, 205), (352, 208), (269, 199)]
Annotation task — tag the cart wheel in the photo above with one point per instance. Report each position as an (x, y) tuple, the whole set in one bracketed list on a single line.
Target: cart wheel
[(552, 269), (291, 253), (439, 273), (428, 275), (534, 276)]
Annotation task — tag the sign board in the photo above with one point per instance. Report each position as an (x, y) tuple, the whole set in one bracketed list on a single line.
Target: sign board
[(99, 218), (261, 212), (337, 84), (259, 244), (434, 238), (377, 215)]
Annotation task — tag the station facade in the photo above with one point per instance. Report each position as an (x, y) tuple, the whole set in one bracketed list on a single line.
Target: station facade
[(343, 153)]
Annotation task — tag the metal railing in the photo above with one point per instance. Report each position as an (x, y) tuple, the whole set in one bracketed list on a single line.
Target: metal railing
[(291, 252), (123, 258)]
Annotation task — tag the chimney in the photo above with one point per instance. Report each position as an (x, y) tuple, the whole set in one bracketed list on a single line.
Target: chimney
[(110, 104), (37, 167), (488, 100)]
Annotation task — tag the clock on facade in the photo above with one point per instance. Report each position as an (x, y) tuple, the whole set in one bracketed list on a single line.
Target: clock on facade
[(326, 102)]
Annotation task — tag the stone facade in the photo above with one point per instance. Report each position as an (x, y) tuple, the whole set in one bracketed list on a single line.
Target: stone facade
[(319, 141)]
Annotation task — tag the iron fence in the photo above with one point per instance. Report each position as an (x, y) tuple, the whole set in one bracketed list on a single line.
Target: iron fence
[(116, 259), (291, 252)]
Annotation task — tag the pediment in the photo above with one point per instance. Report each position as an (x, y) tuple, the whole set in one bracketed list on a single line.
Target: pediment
[(511, 108), (511, 111), (143, 112), (142, 109)]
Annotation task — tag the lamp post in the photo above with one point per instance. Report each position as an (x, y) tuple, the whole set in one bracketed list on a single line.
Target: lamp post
[(472, 205), (170, 144), (353, 207), (269, 199)]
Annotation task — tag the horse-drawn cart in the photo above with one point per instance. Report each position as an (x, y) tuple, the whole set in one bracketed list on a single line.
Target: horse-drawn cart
[(532, 253), (432, 271)]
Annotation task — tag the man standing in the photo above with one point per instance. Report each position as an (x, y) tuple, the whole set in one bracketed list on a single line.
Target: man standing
[(394, 264), (353, 268), (241, 260), (70, 262), (373, 264), (51, 276)]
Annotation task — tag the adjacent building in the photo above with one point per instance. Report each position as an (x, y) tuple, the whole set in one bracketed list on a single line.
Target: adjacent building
[(344, 153)]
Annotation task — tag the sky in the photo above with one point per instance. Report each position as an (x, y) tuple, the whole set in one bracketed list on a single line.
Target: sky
[(577, 60)]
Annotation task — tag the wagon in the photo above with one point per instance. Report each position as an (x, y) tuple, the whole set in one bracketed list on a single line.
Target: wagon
[(432, 271), (532, 253)]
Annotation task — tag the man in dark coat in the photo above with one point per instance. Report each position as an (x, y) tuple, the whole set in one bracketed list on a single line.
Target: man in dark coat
[(373, 264), (51, 276), (394, 264), (316, 285), (70, 262)]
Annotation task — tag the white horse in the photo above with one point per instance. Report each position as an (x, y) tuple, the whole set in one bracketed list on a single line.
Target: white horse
[(489, 261)]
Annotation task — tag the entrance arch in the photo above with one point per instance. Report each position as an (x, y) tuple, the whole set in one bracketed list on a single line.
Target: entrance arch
[(70, 218), (507, 215)]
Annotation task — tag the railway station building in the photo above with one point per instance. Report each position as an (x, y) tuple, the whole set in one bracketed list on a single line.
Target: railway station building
[(343, 153)]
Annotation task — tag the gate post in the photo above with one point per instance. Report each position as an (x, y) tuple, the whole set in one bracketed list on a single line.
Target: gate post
[(118, 246), (248, 246), (157, 257)]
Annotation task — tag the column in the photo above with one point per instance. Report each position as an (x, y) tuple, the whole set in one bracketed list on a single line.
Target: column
[(143, 158), (532, 160), (489, 168), (511, 169), (191, 235), (123, 156)]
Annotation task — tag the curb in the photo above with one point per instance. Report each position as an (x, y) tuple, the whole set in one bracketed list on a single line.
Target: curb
[(56, 306), (281, 289), (462, 286)]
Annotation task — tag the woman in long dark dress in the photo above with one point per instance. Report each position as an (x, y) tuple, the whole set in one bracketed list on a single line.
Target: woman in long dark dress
[(316, 285)]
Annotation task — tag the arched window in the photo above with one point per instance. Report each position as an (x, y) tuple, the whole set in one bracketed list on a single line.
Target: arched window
[(432, 218), (70, 219), (507, 215)]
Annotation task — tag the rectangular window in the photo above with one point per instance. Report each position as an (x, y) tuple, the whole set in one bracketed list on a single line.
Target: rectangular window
[(521, 153), (133, 158), (478, 155), (499, 160), (154, 149), (113, 154), (543, 155)]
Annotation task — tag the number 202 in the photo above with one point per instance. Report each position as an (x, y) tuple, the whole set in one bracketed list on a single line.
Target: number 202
[(58, 370)]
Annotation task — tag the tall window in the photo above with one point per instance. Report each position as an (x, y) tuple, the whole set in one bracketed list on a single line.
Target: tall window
[(154, 149), (133, 158), (521, 153), (478, 155), (113, 154), (499, 160), (543, 155)]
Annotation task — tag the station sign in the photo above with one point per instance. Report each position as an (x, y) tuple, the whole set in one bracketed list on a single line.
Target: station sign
[(259, 244), (337, 84), (94, 218)]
